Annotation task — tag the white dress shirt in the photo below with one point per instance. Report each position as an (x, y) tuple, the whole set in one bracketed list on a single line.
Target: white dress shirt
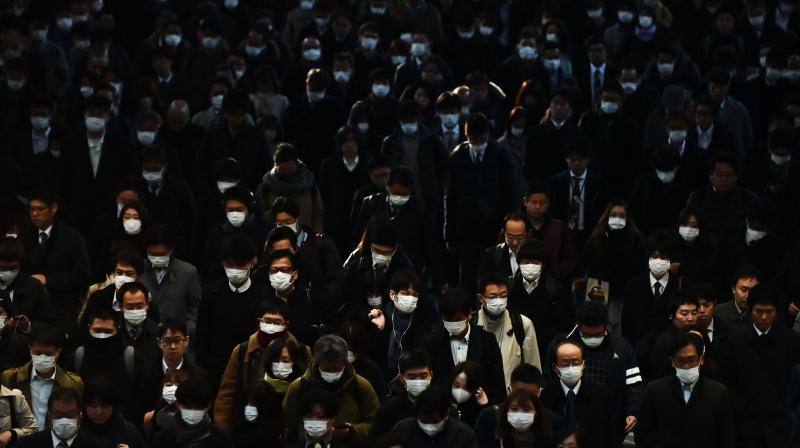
[(242, 288), (459, 347), (663, 281), (95, 151)]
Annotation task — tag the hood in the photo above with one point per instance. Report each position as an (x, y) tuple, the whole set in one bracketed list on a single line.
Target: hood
[(301, 181)]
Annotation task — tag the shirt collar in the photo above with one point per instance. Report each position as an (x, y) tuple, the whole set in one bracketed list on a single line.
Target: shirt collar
[(46, 133), (56, 440), (566, 389), (39, 378), (48, 231), (581, 177), (708, 132), (711, 326), (96, 145), (663, 280), (602, 68), (455, 129), (240, 289), (526, 284), (165, 368), (761, 333)]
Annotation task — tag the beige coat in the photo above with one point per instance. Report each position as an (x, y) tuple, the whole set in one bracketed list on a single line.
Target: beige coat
[(25, 423), (509, 348)]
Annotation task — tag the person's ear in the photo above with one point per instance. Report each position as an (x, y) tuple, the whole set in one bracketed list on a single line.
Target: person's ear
[(392, 295), (481, 299), (54, 208)]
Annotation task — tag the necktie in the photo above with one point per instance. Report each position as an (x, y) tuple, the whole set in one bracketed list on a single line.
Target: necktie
[(687, 393), (134, 333), (62, 444), (43, 240), (598, 82), (575, 203), (570, 419), (657, 290)]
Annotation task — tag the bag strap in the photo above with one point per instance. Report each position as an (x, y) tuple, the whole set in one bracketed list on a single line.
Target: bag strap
[(78, 360), (130, 362), (519, 333)]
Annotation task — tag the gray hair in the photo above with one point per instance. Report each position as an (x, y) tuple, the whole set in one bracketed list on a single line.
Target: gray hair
[(330, 348)]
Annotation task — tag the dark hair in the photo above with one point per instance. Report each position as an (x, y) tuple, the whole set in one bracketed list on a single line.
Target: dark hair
[(235, 101), (760, 211), (532, 250), (706, 100), (283, 204), (562, 343), (227, 168), (718, 76), (43, 193), (408, 109), (237, 248), (725, 157), (414, 359), (662, 242), (541, 425), (384, 233), (539, 186), (355, 337), (455, 301), (447, 101), (241, 194), (48, 335), (403, 279), (577, 146), (592, 313), (376, 162), (477, 125), (684, 338), (491, 278), (600, 234), (132, 288), (517, 215), (280, 254), (194, 393), (158, 234), (476, 378), (264, 397), (64, 395), (528, 374), (665, 158), (130, 257), (326, 400), (762, 294), (746, 271), (296, 351), (10, 249), (174, 325), (433, 401), (703, 291), (280, 234), (781, 138), (343, 133), (402, 176), (285, 152), (100, 390), (679, 298), (275, 307)]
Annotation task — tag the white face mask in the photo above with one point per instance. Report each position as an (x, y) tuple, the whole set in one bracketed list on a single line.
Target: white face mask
[(120, 280), (645, 21), (315, 429), (331, 377), (455, 328), (398, 200), (666, 176), (135, 317), (449, 120), (460, 395), (351, 357), (250, 413), (98, 335), (408, 128), (280, 281), (418, 49), (153, 176), (380, 90), (173, 39), (64, 23), (236, 218), (168, 393), (222, 186), (416, 387), (677, 136), (666, 68), (780, 160), (192, 416), (8, 277), (552, 64), (312, 54), (570, 375), (210, 42), (132, 226), (405, 304), (688, 376), (43, 363), (658, 267), (485, 30), (158, 262), (688, 234), (630, 87), (530, 271), (369, 43), (592, 341), (431, 429), (625, 16), (216, 101), (609, 107), (40, 123), (375, 301), (271, 328), (146, 137), (64, 428), (398, 60), (237, 276), (616, 223), (496, 306), (282, 370), (527, 53), (341, 76), (752, 236), (381, 259), (520, 421), (94, 124), (517, 132)]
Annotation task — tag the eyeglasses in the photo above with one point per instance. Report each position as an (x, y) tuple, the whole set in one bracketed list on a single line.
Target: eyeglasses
[(285, 270), (166, 342), (686, 363)]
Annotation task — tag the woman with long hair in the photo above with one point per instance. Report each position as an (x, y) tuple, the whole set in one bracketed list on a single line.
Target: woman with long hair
[(521, 422)]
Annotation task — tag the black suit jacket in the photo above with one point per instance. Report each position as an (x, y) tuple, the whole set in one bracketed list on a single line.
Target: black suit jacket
[(44, 439), (641, 313), (585, 78), (596, 198), (496, 259), (482, 349), (592, 409), (663, 411)]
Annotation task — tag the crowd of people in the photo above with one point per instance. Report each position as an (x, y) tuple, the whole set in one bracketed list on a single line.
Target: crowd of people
[(399, 223)]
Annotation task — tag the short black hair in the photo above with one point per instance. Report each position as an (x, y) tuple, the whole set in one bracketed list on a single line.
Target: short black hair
[(158, 234), (132, 288), (455, 301), (725, 157), (662, 242), (11, 250), (275, 307), (403, 279), (285, 152), (408, 109), (491, 278), (174, 325), (237, 248), (414, 359), (577, 146), (477, 124), (528, 374), (703, 291), (325, 399), (760, 211), (194, 393), (746, 271), (591, 313), (283, 204), (65, 395), (682, 297), (48, 335), (401, 175), (518, 215), (665, 158), (130, 257), (236, 101), (279, 254), (718, 76), (227, 168), (100, 390), (781, 138), (241, 194), (532, 250), (539, 186), (376, 162), (44, 193), (433, 401), (279, 234), (384, 233), (684, 338), (762, 294)]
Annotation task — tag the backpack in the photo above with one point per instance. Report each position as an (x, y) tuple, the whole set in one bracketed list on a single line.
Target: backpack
[(517, 329), (127, 355)]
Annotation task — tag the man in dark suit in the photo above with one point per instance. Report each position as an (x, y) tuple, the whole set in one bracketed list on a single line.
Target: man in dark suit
[(25, 295), (547, 140), (64, 412), (56, 256), (733, 312), (756, 367), (692, 409), (480, 192), (718, 331), (462, 341), (92, 161), (595, 75), (581, 403), (138, 330), (502, 258), (554, 233)]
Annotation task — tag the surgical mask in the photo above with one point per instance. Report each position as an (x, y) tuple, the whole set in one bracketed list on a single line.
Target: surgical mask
[(496, 306), (398, 200), (369, 43), (455, 328), (253, 51), (616, 223), (236, 218), (120, 280), (485, 30), (237, 276), (43, 363), (168, 393), (449, 120), (609, 107), (39, 35), (666, 68), (530, 271), (3, 321), (645, 21), (231, 4), (780, 160), (630, 87), (40, 123), (341, 76), (351, 357), (331, 377), (146, 137), (94, 124), (756, 21), (520, 421), (570, 375), (592, 341), (216, 101), (159, 261), (406, 37), (97, 5), (754, 235), (315, 97), (282, 370), (466, 35), (152, 176), (15, 85), (381, 259), (306, 4), (677, 135), (665, 176), (398, 60), (210, 42), (408, 128), (315, 429), (406, 304), (97, 335), (312, 54), (460, 395), (192, 416), (375, 301), (64, 428), (295, 227), (625, 16), (7, 277), (527, 53), (688, 234), (377, 10), (416, 387), (552, 64), (81, 18), (658, 266), (431, 429), (380, 90), (688, 376), (222, 186), (64, 23), (280, 281), (517, 132), (135, 317), (250, 413), (271, 328), (594, 13), (173, 39), (418, 49), (551, 37), (132, 226)]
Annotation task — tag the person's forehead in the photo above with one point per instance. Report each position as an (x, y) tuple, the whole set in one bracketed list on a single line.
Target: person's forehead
[(281, 262)]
